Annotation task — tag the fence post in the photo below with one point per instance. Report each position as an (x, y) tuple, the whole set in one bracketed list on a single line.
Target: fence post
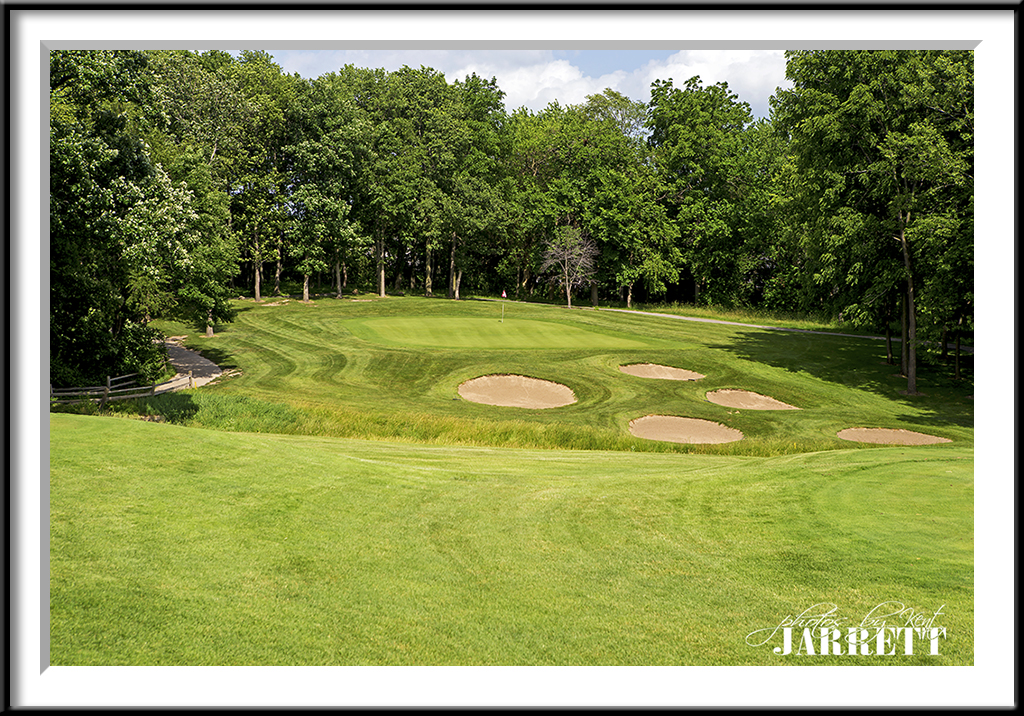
[(191, 382), (106, 394)]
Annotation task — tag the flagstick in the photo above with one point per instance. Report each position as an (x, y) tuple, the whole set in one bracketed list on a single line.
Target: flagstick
[(502, 311)]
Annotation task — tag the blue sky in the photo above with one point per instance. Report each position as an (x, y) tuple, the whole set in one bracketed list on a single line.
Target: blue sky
[(533, 78)]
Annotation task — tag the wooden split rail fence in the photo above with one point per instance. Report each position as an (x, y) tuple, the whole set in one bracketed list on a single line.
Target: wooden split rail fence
[(123, 387)]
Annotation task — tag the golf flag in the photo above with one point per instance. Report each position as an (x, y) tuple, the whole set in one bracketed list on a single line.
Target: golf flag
[(503, 294)]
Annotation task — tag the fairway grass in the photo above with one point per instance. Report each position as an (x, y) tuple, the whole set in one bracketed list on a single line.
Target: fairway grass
[(334, 501), (390, 369), (206, 547), (485, 333)]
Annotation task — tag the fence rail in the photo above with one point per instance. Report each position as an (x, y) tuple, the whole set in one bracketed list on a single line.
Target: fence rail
[(117, 388)]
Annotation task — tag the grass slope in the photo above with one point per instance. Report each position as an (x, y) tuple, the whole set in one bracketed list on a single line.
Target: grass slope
[(336, 503), (173, 545), (390, 369)]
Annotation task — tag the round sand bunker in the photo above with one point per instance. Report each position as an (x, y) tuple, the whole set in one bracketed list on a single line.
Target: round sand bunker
[(885, 436), (747, 400), (673, 429), (516, 391), (662, 372)]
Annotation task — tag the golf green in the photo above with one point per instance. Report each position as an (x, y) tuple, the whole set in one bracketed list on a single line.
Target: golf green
[(485, 333)]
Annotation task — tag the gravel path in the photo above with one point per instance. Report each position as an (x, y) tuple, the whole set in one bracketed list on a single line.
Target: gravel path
[(184, 361)]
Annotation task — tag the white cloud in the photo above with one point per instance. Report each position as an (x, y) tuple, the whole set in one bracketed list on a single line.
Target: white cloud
[(753, 75), (534, 78), (536, 85)]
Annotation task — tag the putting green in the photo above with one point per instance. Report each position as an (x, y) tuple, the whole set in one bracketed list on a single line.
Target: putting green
[(485, 333)]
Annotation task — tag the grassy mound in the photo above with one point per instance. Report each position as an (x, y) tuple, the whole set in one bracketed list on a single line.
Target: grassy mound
[(390, 369), (335, 502), (174, 545)]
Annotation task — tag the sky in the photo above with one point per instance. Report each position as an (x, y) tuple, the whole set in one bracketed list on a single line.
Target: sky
[(534, 78)]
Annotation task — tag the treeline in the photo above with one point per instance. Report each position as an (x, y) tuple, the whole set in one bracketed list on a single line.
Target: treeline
[(181, 179)]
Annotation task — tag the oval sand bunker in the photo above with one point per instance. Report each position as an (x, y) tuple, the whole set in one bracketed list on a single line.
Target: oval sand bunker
[(746, 399), (673, 429), (662, 372), (885, 436), (516, 391)]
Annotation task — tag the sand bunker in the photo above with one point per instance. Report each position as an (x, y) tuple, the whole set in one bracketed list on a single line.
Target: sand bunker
[(663, 372), (516, 391), (886, 436), (746, 399), (670, 428)]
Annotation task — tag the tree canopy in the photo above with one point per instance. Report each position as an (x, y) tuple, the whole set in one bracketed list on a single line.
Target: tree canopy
[(178, 180)]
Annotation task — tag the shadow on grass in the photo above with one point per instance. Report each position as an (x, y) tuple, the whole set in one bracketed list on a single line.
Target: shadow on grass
[(176, 408), (861, 364), (224, 359)]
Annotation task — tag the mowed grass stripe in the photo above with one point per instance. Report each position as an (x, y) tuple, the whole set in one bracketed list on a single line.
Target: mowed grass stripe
[(205, 547), (303, 355), (485, 333)]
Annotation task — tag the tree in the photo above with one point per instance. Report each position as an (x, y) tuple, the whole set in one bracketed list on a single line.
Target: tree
[(474, 204), (332, 139), (632, 228), (884, 140), (573, 255), (98, 170), (129, 239), (206, 107), (629, 116), (391, 187), (259, 211), (697, 134), (531, 165)]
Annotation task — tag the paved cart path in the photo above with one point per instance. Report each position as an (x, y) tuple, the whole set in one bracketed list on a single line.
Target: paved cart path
[(203, 370)]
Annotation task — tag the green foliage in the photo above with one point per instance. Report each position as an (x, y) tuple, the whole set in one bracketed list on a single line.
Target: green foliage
[(884, 147), (193, 173), (698, 137), (138, 224)]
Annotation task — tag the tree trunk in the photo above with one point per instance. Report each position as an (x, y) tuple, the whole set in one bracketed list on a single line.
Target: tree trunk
[(593, 294), (337, 277), (344, 276), (888, 332), (903, 336), (458, 283), (912, 337), (911, 315), (452, 270), (399, 271), (428, 278), (257, 267), (256, 281), (305, 288), (629, 296), (381, 285), (209, 323), (277, 276), (956, 362)]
